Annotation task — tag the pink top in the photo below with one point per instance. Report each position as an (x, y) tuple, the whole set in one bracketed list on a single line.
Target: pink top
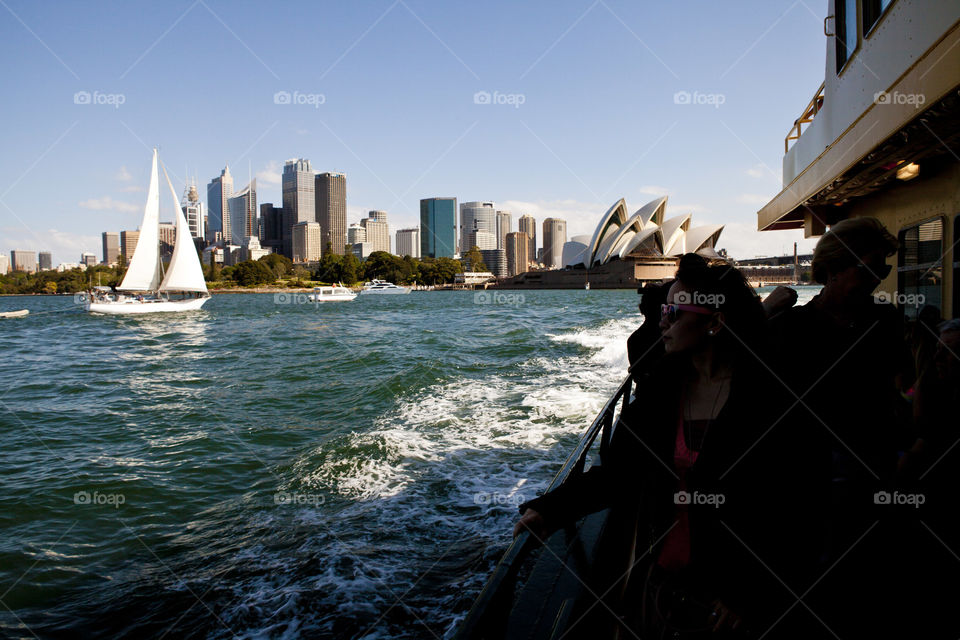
[(675, 554)]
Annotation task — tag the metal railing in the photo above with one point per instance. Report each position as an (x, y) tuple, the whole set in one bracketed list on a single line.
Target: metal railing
[(809, 113), (498, 591)]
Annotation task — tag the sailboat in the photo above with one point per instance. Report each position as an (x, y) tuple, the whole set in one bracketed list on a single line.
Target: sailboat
[(145, 287)]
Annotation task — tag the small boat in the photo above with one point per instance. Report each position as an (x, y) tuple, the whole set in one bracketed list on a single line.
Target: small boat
[(145, 287), (382, 287), (14, 314), (587, 286), (337, 293)]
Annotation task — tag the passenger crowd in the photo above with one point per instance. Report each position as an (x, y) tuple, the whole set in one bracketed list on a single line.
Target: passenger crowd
[(787, 471)]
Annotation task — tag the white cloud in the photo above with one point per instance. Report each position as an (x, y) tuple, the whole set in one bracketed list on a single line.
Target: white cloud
[(753, 199), (270, 175), (106, 203), (65, 247), (655, 190), (682, 208), (123, 175)]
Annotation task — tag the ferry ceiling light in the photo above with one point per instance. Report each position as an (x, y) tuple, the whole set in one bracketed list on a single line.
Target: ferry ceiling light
[(908, 171)]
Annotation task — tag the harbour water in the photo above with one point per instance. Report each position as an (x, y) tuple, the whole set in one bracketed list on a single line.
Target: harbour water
[(270, 469)]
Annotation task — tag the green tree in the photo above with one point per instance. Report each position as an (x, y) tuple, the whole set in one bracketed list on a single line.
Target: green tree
[(474, 259), (351, 268), (251, 273), (280, 264)]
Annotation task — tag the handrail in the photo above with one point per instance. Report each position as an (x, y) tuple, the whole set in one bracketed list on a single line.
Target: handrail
[(809, 113), (506, 570)]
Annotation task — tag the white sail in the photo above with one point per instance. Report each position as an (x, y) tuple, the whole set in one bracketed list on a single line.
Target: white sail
[(143, 273), (184, 272)]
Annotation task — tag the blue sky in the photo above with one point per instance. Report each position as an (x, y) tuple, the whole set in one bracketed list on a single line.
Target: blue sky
[(587, 115)]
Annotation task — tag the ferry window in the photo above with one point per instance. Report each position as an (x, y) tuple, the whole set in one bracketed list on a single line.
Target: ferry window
[(920, 267), (846, 21), (872, 10)]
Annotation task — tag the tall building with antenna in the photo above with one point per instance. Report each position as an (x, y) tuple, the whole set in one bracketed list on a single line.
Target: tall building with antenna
[(193, 209), (218, 194)]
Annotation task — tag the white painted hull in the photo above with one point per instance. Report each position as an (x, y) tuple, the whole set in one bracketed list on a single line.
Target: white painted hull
[(133, 306), (385, 292), (313, 298)]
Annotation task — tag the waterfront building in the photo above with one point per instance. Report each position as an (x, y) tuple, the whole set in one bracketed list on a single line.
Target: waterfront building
[(882, 144), (128, 244), (70, 266), (252, 250), (554, 236), (331, 209), (243, 215), (86, 259), (528, 225), (271, 227), (438, 227), (355, 234), (307, 239), (4, 264), (219, 191), (408, 242), (111, 247), (362, 250), (193, 211), (167, 236), (496, 261), (476, 216), (46, 260), (377, 230), (299, 203), (504, 222), (517, 248), (25, 261)]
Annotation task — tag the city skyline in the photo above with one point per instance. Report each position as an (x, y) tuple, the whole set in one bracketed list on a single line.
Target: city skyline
[(702, 122)]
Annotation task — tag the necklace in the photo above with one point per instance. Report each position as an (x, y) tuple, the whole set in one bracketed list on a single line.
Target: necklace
[(688, 417)]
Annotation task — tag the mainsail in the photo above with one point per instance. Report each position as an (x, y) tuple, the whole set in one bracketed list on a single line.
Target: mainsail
[(143, 273), (184, 272)]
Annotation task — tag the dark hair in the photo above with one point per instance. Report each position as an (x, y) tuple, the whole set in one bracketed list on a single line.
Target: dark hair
[(652, 296), (724, 288), (847, 242)]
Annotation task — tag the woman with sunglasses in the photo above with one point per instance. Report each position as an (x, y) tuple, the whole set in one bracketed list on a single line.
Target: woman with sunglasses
[(698, 455), (842, 354)]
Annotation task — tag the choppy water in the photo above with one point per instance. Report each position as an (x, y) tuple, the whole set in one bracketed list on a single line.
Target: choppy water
[(262, 470)]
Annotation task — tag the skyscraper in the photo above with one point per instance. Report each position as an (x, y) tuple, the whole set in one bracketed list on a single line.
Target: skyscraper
[(356, 233), (438, 227), (504, 222), (529, 226), (377, 230), (46, 261), (87, 259), (408, 242), (218, 193), (193, 211), (128, 244), (299, 204), (496, 261), (23, 261), (306, 238), (331, 198), (271, 227), (554, 236), (167, 235), (476, 216), (518, 257), (4, 264), (243, 215)]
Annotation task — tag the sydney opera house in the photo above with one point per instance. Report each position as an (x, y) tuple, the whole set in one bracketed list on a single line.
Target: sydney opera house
[(626, 250)]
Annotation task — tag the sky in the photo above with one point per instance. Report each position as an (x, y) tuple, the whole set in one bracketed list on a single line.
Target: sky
[(554, 108)]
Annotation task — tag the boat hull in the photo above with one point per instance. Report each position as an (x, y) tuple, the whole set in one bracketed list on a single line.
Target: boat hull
[(385, 292), (313, 298), (136, 307)]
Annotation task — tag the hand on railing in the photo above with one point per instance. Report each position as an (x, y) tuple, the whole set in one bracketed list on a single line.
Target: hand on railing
[(533, 522)]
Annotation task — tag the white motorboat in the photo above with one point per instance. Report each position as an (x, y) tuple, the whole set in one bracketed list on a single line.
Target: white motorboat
[(145, 287), (337, 293), (383, 287)]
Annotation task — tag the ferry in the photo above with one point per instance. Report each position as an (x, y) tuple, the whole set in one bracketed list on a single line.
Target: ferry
[(337, 293), (382, 287), (880, 138)]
